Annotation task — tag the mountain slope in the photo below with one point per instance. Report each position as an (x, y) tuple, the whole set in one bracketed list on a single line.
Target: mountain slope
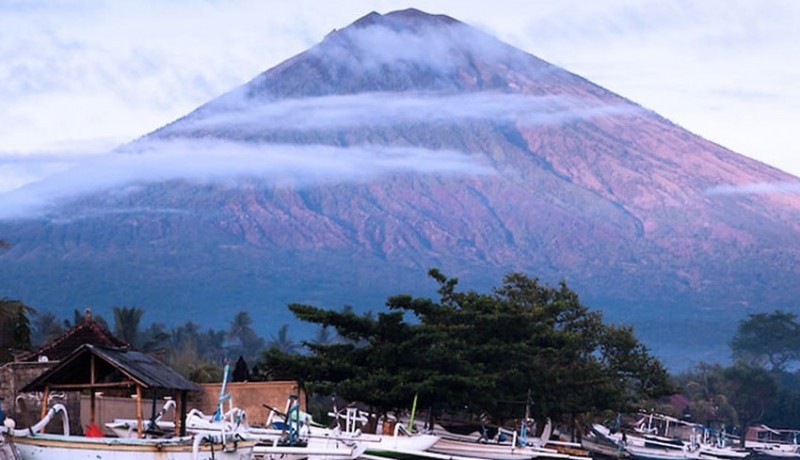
[(407, 141)]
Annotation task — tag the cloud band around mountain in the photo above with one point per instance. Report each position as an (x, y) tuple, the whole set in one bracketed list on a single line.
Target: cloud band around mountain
[(227, 162)]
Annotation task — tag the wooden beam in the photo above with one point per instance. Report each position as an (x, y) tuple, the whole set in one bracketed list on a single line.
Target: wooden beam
[(87, 386)]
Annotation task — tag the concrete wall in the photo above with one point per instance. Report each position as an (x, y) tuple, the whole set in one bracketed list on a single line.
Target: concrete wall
[(26, 408)]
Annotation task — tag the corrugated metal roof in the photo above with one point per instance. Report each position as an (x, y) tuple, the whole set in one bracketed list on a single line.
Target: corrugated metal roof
[(112, 365)]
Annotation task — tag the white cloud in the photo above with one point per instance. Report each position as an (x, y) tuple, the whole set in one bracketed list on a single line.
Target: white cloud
[(762, 188), (242, 115), (231, 164)]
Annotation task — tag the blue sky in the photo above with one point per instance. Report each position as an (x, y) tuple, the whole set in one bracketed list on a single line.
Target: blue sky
[(81, 77)]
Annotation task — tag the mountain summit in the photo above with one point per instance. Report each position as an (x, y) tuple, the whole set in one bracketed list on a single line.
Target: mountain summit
[(407, 141)]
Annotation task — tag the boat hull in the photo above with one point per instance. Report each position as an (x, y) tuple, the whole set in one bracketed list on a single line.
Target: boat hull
[(55, 447)]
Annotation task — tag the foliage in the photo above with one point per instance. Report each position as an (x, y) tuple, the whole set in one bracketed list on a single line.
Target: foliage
[(127, 321), (244, 339), (478, 350), (734, 396), (15, 329), (282, 342), (752, 390), (46, 327), (768, 338)]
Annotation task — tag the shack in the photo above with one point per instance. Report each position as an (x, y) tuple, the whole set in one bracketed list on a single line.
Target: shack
[(95, 368)]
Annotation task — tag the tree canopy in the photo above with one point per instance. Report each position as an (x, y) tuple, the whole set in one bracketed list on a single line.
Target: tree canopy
[(768, 338), (483, 351)]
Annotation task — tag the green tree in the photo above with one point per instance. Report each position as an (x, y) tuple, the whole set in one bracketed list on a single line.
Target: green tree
[(245, 340), (283, 342), (478, 349), (154, 338), (15, 331), (752, 391), (46, 327), (709, 391), (127, 322), (768, 338)]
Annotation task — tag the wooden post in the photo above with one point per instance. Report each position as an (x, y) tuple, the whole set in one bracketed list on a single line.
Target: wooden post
[(91, 408), (183, 413), (177, 417), (92, 379), (44, 404), (139, 411)]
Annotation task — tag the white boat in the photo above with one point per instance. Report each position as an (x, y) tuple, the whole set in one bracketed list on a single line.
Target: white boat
[(508, 445), (33, 445), (767, 442), (395, 440)]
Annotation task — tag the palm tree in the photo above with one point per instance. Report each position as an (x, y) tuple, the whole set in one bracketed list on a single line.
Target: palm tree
[(283, 342), (126, 323), (45, 328), (241, 327), (324, 336), (155, 338)]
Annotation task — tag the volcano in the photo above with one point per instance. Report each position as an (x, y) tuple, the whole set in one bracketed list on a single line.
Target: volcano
[(403, 142)]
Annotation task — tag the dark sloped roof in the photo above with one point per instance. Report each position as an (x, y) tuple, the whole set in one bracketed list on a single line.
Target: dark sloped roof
[(113, 367), (88, 331)]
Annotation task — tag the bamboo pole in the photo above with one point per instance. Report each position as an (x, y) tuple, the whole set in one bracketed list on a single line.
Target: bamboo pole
[(139, 411)]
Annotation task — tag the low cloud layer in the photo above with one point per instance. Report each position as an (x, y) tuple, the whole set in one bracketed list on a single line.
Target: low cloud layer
[(216, 161), (761, 188), (382, 109)]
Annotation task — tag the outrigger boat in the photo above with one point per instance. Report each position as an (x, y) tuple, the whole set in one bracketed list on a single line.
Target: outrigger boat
[(92, 367)]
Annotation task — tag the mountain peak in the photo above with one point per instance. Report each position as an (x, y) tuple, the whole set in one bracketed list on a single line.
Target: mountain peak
[(410, 19)]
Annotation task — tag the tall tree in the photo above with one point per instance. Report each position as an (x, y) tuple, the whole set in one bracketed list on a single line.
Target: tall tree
[(15, 331), (768, 339), (241, 327), (127, 322), (283, 342), (245, 340), (46, 327), (752, 391), (479, 349)]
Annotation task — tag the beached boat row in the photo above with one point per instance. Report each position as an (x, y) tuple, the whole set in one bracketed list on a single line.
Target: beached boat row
[(659, 437)]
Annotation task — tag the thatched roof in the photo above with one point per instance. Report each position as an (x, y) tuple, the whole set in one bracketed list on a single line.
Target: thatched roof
[(95, 367)]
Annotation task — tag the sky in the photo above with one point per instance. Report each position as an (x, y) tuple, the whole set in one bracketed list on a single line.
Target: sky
[(80, 78)]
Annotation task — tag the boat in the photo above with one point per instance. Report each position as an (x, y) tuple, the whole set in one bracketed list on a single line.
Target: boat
[(92, 367), (31, 444), (395, 440), (765, 442), (507, 445)]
